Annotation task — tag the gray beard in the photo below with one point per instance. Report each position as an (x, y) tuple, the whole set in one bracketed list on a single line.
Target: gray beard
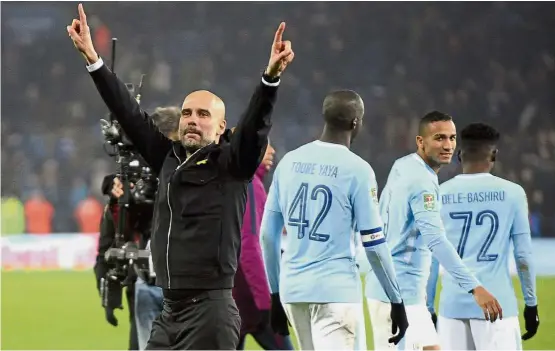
[(193, 146), (190, 147)]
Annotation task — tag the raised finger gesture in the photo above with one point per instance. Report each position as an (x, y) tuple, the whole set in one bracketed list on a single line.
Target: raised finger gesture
[(80, 34), (281, 54)]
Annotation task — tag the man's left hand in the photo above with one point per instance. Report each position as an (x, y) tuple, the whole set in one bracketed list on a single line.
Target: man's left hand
[(268, 160), (281, 54), (399, 322), (531, 321)]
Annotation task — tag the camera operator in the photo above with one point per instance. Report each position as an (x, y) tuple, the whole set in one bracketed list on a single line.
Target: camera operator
[(203, 187), (101, 267), (144, 298)]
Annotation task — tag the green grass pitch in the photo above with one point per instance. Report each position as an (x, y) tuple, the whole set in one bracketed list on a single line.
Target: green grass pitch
[(61, 310)]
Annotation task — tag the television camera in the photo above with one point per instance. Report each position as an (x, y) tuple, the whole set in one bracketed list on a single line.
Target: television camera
[(125, 256)]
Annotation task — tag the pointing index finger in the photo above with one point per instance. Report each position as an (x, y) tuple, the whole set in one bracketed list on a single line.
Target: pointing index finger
[(82, 16), (279, 33)]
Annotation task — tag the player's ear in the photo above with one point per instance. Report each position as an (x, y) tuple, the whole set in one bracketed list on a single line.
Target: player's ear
[(419, 142), (221, 127), (354, 124), (494, 155)]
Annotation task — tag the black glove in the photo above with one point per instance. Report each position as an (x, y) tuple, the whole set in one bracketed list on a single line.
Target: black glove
[(278, 318), (531, 321), (398, 321), (110, 317), (434, 319)]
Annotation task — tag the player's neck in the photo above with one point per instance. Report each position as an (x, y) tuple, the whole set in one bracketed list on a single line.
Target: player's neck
[(476, 168), (336, 137), (436, 167)]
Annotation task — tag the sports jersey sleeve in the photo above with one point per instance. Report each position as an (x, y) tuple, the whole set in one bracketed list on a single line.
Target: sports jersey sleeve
[(425, 209), (361, 258), (369, 224), (272, 201), (431, 287), (270, 235), (522, 243)]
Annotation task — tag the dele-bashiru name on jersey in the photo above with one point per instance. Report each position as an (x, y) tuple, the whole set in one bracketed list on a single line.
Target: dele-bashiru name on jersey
[(473, 197)]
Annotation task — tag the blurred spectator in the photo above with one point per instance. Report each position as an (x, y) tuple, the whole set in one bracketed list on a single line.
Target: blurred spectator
[(38, 214), (88, 215), (13, 215)]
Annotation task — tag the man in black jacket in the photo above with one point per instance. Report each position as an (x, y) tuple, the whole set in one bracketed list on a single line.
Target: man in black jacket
[(201, 199)]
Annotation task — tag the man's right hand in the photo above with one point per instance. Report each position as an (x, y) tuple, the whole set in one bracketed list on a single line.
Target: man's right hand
[(80, 34), (489, 304), (117, 188)]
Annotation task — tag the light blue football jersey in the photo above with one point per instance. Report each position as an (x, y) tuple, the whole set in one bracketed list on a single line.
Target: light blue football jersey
[(484, 216), (410, 209), (322, 193)]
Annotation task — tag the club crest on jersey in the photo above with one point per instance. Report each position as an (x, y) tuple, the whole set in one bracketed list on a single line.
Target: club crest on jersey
[(374, 194), (429, 202)]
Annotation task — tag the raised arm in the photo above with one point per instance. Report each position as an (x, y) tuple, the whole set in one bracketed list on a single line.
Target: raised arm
[(250, 137), (136, 124)]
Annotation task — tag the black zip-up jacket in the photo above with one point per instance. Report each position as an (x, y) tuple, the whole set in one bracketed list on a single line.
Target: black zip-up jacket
[(199, 208)]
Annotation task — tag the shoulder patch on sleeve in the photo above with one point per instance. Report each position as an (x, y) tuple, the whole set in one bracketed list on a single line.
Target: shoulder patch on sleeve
[(429, 202)]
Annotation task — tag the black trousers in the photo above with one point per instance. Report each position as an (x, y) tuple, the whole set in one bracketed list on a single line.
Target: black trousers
[(133, 337), (208, 321)]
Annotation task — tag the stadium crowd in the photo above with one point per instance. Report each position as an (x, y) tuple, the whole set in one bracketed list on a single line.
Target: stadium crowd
[(491, 62)]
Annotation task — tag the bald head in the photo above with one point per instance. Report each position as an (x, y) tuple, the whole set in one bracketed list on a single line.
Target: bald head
[(341, 108), (207, 100), (202, 119)]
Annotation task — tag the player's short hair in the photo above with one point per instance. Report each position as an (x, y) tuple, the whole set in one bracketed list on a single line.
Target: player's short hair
[(478, 140), (341, 108), (166, 119), (431, 117)]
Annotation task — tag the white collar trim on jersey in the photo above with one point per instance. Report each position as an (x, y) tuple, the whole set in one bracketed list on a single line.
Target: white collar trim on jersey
[(427, 166), (323, 143), (474, 175)]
